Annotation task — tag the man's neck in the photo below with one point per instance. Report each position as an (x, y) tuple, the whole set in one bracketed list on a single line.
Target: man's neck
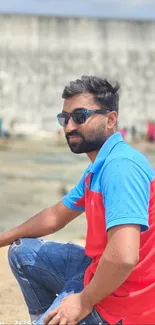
[(92, 155)]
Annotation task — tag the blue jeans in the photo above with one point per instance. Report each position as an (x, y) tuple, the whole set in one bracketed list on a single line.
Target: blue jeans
[(47, 272)]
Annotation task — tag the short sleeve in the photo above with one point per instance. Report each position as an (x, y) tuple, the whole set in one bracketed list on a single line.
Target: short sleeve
[(75, 198), (126, 192)]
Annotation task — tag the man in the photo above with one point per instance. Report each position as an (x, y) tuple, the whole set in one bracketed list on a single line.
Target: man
[(113, 279)]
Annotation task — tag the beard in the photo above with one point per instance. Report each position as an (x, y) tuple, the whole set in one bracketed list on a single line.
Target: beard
[(85, 145)]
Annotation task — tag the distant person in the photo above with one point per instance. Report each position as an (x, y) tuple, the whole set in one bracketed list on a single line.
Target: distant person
[(133, 133), (153, 130), (1, 126), (7, 127), (150, 132), (123, 132), (112, 280)]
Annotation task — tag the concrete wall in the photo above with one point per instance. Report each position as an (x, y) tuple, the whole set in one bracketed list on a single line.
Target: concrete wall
[(39, 55)]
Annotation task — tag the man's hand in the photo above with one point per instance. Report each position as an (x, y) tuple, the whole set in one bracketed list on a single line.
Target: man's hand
[(71, 311)]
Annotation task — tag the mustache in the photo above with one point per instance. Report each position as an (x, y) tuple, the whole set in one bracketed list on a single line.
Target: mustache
[(74, 134)]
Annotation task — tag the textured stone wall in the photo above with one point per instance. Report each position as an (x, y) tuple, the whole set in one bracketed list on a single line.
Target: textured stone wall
[(39, 55)]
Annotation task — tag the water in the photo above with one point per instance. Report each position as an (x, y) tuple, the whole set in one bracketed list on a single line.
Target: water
[(33, 176)]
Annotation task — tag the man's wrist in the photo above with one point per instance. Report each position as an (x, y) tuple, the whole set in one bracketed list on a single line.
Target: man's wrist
[(87, 297)]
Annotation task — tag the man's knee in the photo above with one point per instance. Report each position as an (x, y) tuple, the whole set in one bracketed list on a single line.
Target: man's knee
[(22, 252)]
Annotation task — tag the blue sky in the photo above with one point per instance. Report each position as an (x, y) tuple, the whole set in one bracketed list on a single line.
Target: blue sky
[(130, 9)]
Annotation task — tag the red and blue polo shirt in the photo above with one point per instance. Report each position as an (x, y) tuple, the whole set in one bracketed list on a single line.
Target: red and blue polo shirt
[(118, 189)]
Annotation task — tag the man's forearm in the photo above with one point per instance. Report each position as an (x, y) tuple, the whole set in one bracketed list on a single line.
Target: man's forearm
[(108, 277), (41, 224)]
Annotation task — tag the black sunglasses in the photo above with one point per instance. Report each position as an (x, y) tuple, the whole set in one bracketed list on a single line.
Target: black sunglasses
[(79, 115)]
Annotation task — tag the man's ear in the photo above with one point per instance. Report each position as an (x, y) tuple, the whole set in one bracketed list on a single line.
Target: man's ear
[(112, 120)]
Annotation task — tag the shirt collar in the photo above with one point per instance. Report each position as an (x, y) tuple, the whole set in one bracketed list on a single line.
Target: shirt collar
[(105, 150)]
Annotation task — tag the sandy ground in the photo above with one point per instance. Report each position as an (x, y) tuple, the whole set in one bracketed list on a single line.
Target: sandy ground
[(12, 307)]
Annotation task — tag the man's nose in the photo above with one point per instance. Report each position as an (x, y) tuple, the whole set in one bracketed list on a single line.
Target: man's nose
[(71, 126)]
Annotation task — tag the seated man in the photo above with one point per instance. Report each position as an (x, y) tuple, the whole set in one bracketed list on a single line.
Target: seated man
[(112, 280)]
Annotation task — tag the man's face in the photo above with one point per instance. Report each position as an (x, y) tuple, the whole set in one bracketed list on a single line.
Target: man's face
[(91, 135)]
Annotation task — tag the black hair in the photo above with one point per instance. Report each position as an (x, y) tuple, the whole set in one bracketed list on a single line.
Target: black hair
[(104, 93)]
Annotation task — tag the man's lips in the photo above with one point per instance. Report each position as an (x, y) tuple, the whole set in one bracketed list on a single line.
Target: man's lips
[(74, 138)]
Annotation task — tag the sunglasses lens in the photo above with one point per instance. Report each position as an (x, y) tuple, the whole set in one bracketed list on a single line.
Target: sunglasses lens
[(79, 116), (62, 119)]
